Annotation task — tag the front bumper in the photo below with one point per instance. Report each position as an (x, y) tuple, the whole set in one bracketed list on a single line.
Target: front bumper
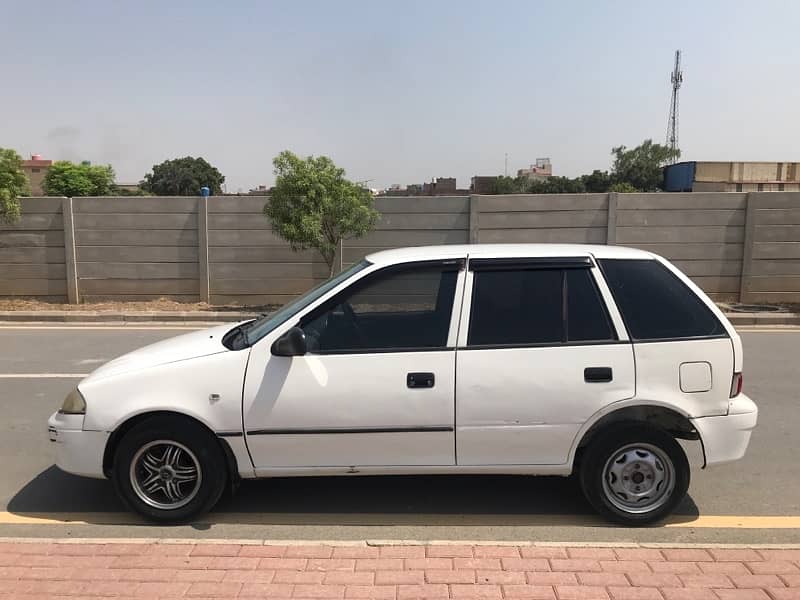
[(77, 451), (725, 438)]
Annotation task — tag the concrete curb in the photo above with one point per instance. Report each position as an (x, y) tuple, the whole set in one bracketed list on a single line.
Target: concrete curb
[(765, 318), (400, 542), (88, 316)]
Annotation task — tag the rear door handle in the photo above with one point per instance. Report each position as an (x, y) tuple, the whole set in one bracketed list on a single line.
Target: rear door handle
[(598, 374), (420, 380)]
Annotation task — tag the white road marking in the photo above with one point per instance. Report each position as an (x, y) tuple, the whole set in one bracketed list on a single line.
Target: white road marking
[(43, 375), (111, 327)]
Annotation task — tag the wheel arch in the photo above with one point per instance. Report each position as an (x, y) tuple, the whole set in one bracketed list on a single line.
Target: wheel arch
[(125, 426), (663, 416)]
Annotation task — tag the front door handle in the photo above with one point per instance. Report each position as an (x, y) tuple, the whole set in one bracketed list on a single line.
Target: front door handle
[(420, 380), (597, 374)]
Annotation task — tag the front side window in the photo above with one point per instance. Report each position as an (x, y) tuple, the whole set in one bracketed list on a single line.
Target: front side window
[(267, 323), (655, 304), (399, 308), (536, 307)]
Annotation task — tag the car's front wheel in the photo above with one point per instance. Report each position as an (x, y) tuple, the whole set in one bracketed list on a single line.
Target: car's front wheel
[(169, 470), (634, 474)]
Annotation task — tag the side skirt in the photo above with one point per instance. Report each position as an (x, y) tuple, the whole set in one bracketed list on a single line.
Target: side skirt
[(563, 470)]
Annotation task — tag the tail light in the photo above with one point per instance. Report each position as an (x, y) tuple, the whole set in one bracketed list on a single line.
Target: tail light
[(736, 385)]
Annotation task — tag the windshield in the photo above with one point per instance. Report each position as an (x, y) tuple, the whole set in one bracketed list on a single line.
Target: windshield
[(263, 325)]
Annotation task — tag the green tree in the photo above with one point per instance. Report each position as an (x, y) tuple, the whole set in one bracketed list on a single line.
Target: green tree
[(504, 184), (183, 177), (641, 167), (547, 185), (68, 179), (313, 205), (556, 185), (597, 182), (637, 169), (623, 187), (13, 184), (120, 191)]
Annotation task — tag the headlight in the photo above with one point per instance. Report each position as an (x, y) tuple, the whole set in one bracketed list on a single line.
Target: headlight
[(74, 404)]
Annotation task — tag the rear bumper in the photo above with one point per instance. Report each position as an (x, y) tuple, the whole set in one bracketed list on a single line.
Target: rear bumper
[(77, 451), (725, 438)]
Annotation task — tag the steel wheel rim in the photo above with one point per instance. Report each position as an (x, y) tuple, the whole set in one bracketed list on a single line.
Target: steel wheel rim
[(638, 478), (165, 474)]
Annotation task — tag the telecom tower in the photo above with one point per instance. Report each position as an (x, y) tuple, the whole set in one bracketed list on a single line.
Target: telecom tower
[(672, 123)]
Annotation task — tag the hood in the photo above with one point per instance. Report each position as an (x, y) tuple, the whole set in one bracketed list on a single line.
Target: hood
[(182, 347)]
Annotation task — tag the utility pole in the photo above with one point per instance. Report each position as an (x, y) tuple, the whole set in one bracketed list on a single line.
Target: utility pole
[(672, 122), (505, 172)]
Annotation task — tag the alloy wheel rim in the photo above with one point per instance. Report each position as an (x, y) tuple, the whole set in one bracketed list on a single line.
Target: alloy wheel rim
[(165, 474), (638, 478)]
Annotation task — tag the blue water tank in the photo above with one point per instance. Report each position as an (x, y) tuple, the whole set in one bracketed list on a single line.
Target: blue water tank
[(679, 177)]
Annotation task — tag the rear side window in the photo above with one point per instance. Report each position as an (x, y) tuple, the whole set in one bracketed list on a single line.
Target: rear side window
[(536, 307), (655, 304), (516, 307)]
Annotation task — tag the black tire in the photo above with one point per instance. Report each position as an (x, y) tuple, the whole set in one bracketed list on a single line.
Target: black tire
[(204, 451), (604, 493)]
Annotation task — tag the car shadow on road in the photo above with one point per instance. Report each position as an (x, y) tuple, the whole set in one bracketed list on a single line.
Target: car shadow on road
[(373, 500)]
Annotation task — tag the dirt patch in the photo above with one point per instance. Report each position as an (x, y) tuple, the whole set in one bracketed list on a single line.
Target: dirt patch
[(165, 304), (162, 304)]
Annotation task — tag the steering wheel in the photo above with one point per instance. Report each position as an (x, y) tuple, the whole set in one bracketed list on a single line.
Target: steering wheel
[(351, 316)]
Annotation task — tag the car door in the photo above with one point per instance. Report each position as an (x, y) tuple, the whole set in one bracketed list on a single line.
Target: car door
[(377, 385), (538, 355)]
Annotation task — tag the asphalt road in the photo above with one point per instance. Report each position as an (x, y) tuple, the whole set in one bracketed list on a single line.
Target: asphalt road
[(36, 499)]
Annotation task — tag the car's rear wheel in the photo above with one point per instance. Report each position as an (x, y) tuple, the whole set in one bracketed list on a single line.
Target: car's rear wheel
[(169, 469), (634, 474)]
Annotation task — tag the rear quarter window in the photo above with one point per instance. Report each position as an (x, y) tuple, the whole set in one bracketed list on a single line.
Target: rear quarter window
[(655, 304)]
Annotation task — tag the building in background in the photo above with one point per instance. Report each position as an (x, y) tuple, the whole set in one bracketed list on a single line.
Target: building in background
[(697, 176), (441, 186), (35, 169), (541, 169), (483, 184), (128, 188)]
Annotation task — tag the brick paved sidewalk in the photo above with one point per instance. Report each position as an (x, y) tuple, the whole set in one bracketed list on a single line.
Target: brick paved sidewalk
[(227, 570)]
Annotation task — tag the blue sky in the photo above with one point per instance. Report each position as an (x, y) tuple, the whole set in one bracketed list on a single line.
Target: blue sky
[(395, 92)]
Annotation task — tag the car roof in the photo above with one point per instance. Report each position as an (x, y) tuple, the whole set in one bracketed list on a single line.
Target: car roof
[(401, 255)]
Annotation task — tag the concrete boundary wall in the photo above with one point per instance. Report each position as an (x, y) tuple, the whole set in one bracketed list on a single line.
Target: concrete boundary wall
[(736, 246), (32, 256), (702, 233), (136, 248), (772, 262), (247, 262)]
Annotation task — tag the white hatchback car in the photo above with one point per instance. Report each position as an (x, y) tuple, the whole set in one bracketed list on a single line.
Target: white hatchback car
[(521, 359)]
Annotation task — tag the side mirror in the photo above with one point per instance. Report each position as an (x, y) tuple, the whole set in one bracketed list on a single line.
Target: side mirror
[(291, 343)]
